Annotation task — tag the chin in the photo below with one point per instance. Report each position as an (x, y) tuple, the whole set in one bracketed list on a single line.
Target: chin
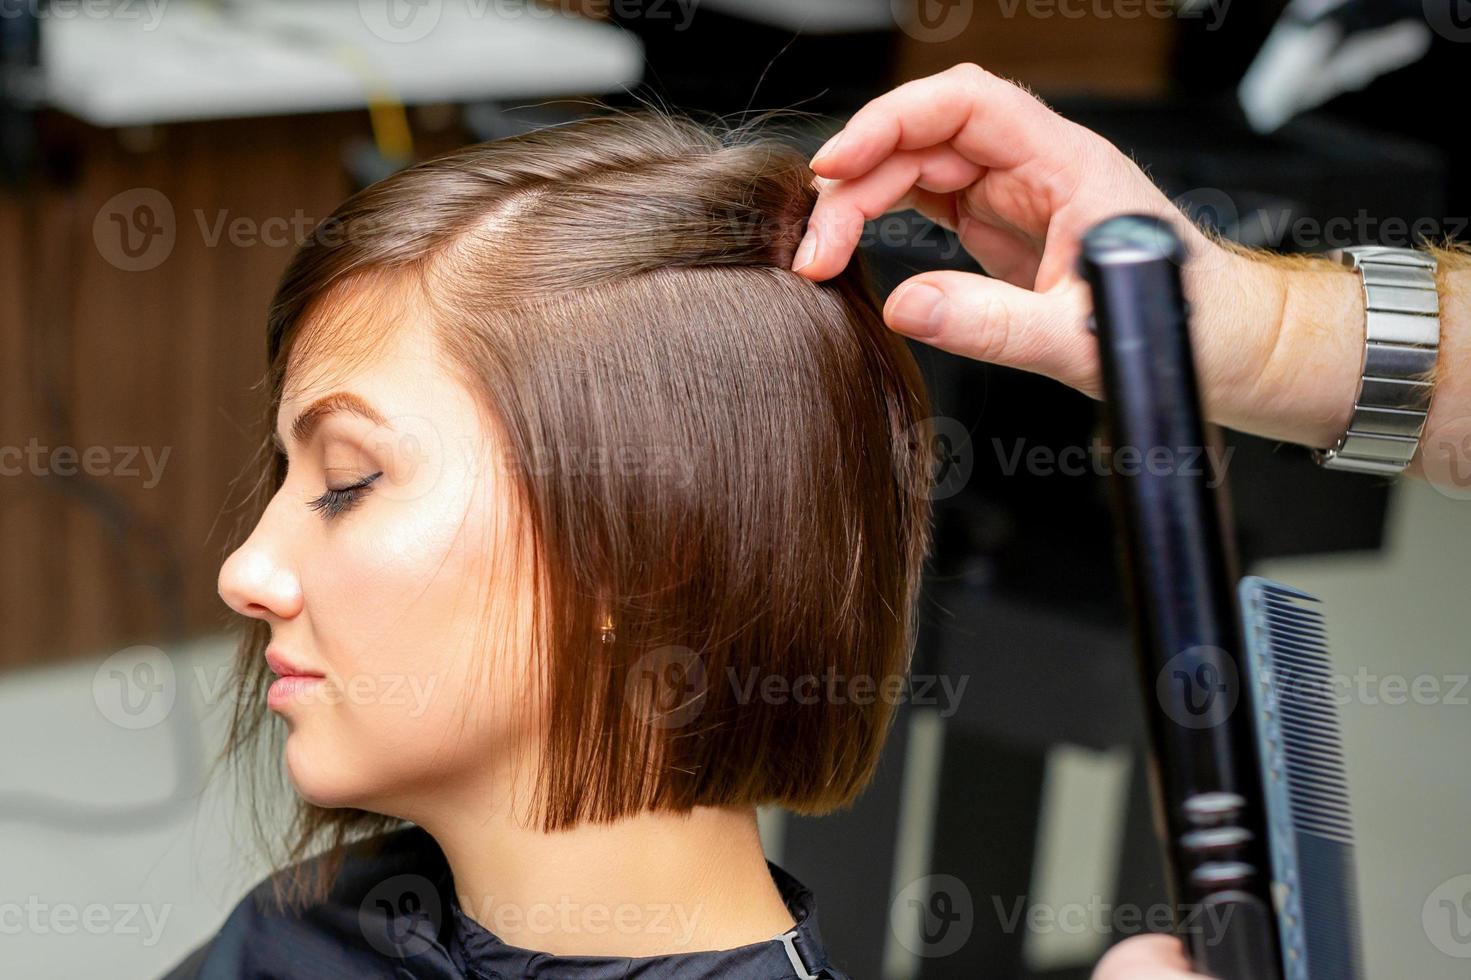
[(317, 777)]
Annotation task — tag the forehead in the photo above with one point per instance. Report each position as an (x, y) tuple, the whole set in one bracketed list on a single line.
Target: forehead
[(355, 328), (373, 338)]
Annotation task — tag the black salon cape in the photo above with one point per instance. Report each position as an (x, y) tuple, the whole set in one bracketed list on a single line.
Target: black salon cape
[(392, 913)]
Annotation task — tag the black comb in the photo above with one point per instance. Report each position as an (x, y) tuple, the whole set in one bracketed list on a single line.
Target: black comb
[(1304, 780)]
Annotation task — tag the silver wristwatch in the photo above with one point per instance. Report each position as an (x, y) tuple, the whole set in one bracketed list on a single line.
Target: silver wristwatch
[(1401, 342)]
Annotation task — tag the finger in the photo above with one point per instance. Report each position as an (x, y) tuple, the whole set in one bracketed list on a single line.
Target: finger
[(939, 208), (1059, 260), (991, 121), (1146, 958), (1003, 252), (836, 223), (993, 321)]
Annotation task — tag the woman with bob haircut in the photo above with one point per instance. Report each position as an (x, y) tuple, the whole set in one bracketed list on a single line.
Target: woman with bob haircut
[(576, 501)]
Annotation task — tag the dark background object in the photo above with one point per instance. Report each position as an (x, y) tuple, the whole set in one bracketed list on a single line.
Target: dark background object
[(20, 58)]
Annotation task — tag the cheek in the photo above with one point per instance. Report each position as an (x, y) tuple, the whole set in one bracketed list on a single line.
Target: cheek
[(389, 591), (423, 683)]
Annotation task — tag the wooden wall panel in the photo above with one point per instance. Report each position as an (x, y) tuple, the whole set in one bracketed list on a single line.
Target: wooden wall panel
[(1057, 47), (164, 358)]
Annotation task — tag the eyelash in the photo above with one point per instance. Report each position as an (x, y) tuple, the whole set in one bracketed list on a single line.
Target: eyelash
[(333, 503)]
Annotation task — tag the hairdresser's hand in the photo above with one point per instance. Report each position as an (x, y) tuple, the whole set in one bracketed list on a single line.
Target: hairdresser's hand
[(1019, 185), (1146, 958)]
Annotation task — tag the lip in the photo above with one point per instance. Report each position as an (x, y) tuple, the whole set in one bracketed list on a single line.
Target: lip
[(285, 668), (293, 680), (284, 690)]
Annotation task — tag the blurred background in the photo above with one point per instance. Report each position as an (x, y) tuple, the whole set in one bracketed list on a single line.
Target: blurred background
[(161, 160)]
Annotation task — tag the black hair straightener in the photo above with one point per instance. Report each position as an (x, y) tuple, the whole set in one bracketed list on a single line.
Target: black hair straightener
[(1247, 771)]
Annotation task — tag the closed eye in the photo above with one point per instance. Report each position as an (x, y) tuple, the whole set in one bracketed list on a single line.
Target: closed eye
[(335, 501)]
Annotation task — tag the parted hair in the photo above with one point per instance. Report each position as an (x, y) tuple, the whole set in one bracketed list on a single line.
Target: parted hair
[(619, 288)]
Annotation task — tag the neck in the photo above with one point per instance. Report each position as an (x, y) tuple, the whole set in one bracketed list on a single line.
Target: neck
[(649, 885)]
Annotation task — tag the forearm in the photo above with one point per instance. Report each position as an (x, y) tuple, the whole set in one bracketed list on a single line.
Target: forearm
[(1302, 319), (1304, 391), (1445, 449)]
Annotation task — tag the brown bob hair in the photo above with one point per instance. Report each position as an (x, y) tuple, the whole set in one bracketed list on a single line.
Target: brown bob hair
[(619, 287)]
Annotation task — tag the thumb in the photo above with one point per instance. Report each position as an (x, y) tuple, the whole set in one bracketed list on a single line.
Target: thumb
[(991, 320), (1146, 957)]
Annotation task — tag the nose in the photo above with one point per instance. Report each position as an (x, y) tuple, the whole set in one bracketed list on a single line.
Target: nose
[(257, 581)]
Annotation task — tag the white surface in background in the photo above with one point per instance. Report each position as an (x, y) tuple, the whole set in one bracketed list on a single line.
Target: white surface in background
[(1301, 66), (810, 16), (105, 902), (919, 798), (1085, 798), (190, 60), (771, 824), (1397, 617)]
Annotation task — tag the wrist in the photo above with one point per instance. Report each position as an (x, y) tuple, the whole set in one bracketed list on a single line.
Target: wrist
[(1444, 455), (1299, 380)]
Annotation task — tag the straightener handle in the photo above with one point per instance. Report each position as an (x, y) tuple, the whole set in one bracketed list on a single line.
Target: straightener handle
[(1183, 591), (1243, 946)]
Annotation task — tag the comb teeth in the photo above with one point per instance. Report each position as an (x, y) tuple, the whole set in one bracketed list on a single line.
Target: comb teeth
[(1302, 765), (1301, 678)]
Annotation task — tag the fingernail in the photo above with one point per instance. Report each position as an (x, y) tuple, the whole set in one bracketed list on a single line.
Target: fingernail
[(916, 310), (828, 147), (805, 251)]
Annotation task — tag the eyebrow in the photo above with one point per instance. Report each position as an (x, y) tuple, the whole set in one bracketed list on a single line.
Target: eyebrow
[(338, 401)]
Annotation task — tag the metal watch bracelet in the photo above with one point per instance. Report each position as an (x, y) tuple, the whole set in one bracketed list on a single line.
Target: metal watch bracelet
[(1401, 343)]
